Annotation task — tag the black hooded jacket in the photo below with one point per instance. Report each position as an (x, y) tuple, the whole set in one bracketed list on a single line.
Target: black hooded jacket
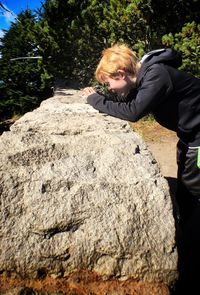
[(173, 96)]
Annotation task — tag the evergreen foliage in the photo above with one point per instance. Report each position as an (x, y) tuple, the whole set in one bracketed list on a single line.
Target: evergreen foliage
[(188, 43), (82, 29), (24, 78)]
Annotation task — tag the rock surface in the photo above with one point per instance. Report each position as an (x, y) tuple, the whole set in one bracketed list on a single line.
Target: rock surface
[(81, 191)]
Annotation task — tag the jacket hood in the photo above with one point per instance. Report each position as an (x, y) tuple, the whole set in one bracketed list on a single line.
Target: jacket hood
[(166, 56)]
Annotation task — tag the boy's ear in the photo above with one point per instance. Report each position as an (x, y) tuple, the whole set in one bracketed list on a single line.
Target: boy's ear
[(121, 73)]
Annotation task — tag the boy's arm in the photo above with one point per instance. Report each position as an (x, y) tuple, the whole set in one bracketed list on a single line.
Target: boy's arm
[(121, 110), (155, 88)]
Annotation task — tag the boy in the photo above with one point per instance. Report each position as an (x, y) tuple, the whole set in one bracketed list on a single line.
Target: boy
[(155, 85)]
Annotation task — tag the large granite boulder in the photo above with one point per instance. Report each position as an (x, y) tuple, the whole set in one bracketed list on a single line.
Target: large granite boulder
[(81, 191)]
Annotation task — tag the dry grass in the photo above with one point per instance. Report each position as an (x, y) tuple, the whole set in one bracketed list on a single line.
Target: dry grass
[(151, 131)]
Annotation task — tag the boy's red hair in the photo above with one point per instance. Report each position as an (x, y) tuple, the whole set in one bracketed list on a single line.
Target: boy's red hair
[(117, 57)]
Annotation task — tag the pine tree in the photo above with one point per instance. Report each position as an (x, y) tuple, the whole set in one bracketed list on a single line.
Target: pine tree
[(25, 80)]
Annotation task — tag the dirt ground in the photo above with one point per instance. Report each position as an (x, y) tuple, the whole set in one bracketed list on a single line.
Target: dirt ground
[(162, 144)]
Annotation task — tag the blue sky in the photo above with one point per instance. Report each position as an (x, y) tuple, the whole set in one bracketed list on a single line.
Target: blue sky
[(15, 6)]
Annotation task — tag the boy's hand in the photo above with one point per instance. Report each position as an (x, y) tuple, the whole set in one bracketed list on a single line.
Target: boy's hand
[(87, 91)]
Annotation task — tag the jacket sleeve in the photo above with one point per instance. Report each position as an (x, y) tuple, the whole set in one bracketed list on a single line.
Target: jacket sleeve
[(155, 87)]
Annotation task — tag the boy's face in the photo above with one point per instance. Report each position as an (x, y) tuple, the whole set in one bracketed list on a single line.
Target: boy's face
[(121, 84)]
